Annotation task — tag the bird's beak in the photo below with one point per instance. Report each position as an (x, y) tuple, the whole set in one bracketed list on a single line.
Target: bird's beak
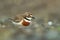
[(33, 17)]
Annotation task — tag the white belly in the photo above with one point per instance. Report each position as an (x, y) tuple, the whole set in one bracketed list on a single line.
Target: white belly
[(19, 23)]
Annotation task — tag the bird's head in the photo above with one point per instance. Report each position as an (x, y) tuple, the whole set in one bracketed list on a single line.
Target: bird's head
[(29, 16)]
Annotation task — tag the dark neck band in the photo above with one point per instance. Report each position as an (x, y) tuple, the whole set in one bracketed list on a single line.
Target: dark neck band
[(27, 19)]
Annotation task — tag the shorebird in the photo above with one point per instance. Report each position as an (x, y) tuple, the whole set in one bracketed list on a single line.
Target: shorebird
[(22, 19)]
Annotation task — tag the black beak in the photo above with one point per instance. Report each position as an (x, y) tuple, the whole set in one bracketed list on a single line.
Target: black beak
[(33, 17)]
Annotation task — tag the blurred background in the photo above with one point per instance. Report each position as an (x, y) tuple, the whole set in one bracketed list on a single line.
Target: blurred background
[(46, 26)]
